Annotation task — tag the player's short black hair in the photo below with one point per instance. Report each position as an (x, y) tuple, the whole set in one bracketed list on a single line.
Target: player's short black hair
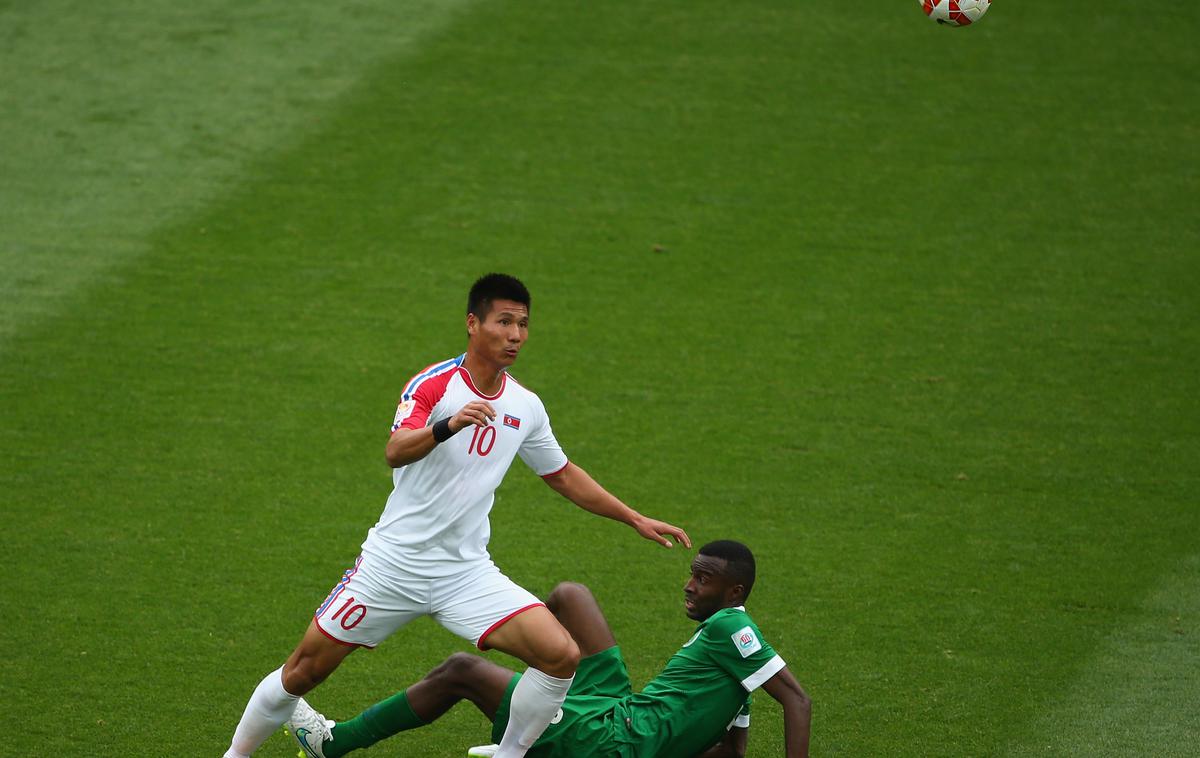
[(739, 561), (491, 287)]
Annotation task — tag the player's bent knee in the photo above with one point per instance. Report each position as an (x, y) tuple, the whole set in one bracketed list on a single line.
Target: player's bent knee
[(573, 654), (562, 659), (568, 593), (458, 674), (457, 668)]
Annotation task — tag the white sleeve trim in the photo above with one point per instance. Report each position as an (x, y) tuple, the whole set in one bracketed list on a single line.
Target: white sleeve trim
[(769, 669), (742, 721)]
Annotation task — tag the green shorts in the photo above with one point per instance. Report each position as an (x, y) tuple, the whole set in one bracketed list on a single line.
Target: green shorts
[(587, 725)]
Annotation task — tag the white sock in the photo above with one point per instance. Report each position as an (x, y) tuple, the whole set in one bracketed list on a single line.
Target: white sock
[(535, 701), (269, 707)]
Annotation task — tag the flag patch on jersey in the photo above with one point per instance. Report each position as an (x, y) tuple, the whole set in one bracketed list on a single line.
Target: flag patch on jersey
[(512, 421), (746, 641)]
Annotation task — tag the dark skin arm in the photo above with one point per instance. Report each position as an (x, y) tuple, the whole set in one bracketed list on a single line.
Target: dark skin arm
[(797, 711), (797, 718)]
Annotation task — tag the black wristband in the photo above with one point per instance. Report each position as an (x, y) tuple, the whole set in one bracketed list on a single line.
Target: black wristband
[(441, 431)]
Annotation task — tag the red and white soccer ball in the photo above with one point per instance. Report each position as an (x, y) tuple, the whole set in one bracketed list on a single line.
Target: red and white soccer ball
[(955, 12)]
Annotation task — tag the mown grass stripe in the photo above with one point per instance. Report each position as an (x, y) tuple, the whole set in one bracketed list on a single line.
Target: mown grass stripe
[(1139, 692), (119, 118)]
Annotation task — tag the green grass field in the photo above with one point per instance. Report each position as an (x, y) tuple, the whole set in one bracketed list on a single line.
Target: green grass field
[(913, 311)]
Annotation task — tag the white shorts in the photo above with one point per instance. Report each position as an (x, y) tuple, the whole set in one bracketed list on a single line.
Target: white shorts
[(374, 599)]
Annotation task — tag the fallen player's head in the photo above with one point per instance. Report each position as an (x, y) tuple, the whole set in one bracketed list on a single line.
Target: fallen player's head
[(722, 577)]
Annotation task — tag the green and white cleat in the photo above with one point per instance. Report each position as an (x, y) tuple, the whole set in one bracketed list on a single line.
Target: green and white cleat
[(482, 751), (310, 729)]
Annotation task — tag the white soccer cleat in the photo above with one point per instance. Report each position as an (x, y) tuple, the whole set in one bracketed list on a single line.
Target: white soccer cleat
[(482, 751), (310, 729)]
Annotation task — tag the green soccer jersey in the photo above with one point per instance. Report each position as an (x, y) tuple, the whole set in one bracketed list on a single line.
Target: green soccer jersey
[(705, 687)]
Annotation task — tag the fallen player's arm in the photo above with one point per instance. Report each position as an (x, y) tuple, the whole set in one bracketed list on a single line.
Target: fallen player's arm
[(580, 488), (797, 711), (732, 746)]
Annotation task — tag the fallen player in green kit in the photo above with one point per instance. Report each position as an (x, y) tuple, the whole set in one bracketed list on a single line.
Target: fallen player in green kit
[(698, 705)]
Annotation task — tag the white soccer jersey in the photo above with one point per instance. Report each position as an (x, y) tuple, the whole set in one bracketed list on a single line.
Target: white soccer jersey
[(436, 519)]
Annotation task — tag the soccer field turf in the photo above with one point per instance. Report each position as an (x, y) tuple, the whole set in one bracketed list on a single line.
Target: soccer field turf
[(911, 311)]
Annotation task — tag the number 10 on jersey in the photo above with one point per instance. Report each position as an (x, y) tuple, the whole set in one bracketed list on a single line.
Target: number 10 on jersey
[(482, 441)]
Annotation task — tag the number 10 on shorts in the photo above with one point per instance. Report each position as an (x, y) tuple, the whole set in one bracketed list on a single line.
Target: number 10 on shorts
[(351, 614)]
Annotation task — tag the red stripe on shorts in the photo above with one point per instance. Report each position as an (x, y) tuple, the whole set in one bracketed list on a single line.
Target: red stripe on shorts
[(343, 642), (504, 621)]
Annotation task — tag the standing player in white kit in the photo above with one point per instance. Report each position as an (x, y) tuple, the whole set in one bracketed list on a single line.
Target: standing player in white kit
[(457, 428)]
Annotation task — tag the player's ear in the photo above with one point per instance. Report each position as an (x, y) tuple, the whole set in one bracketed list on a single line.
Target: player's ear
[(472, 324)]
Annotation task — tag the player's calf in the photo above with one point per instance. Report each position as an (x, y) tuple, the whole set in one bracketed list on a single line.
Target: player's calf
[(313, 660)]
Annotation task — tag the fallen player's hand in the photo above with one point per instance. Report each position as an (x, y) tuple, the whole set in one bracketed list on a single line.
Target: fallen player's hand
[(653, 529), (477, 412)]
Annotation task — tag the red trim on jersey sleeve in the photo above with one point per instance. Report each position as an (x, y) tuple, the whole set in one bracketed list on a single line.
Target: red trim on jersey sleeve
[(504, 621), (426, 395), (556, 473)]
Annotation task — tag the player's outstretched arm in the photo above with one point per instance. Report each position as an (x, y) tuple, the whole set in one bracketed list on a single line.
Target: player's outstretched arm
[(580, 488), (797, 711), (407, 446)]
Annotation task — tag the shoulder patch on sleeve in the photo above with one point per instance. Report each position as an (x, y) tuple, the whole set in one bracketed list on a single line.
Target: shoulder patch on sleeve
[(402, 412), (747, 641)]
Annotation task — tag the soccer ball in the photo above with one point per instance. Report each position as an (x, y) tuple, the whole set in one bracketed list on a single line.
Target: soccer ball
[(955, 12)]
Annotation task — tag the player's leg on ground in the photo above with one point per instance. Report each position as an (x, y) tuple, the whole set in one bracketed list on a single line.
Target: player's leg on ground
[(537, 638), (459, 677), (579, 613), (275, 698)]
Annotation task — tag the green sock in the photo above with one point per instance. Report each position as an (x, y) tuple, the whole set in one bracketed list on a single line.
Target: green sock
[(385, 718)]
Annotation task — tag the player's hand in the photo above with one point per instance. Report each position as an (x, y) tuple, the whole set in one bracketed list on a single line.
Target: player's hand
[(477, 412), (659, 531)]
